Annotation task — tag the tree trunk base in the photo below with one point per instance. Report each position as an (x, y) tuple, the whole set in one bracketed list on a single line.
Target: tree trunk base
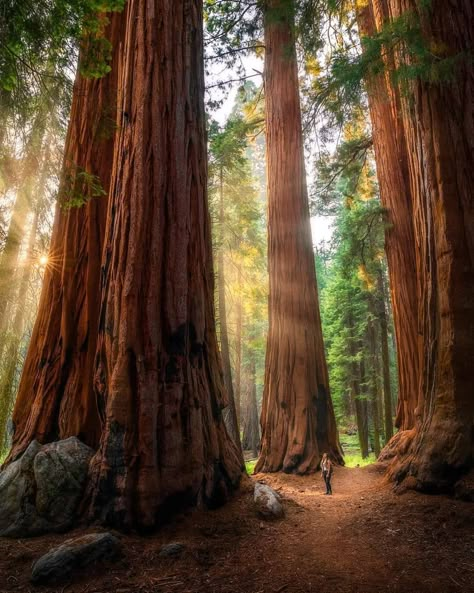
[(48, 490), (292, 465), (432, 460)]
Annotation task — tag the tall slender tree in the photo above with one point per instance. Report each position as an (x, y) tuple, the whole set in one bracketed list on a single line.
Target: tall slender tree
[(250, 425), (13, 343), (228, 172), (298, 422), (18, 222), (238, 347), (387, 388), (231, 415)]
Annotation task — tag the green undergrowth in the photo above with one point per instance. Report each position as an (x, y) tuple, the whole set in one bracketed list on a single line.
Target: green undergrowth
[(356, 460), (352, 455), (250, 466)]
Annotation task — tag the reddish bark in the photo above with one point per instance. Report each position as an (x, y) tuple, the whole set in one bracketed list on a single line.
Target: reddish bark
[(56, 397), (439, 127), (158, 371), (298, 422), (395, 194)]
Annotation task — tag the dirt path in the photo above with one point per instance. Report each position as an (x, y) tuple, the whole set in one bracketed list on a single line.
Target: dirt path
[(363, 539)]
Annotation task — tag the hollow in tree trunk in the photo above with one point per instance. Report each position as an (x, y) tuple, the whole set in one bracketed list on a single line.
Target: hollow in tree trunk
[(298, 422), (158, 377)]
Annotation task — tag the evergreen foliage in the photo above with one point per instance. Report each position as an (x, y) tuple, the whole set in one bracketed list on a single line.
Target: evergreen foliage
[(351, 295), (39, 40), (239, 233)]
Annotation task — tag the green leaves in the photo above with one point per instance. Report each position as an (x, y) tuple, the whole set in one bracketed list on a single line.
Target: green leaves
[(39, 41), (96, 57), (79, 186)]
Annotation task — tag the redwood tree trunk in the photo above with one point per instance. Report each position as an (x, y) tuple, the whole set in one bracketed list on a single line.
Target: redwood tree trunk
[(298, 422), (158, 370), (396, 197), (56, 397), (439, 127)]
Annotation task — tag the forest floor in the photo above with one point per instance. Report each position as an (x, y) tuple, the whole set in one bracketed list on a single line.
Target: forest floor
[(363, 539)]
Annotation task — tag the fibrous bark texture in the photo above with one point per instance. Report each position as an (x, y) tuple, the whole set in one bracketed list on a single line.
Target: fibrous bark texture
[(158, 372), (395, 194), (56, 397), (298, 422), (438, 120)]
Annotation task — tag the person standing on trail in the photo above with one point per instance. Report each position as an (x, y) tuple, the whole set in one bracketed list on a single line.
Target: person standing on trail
[(326, 472)]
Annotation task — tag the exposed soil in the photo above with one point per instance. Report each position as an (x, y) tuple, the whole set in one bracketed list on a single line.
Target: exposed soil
[(363, 539)]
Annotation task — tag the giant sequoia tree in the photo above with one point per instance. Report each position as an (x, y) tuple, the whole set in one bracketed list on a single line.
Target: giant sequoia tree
[(298, 422), (158, 372), (439, 151), (130, 363)]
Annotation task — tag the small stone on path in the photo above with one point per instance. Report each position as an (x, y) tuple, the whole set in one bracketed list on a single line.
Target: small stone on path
[(267, 502), (171, 550)]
